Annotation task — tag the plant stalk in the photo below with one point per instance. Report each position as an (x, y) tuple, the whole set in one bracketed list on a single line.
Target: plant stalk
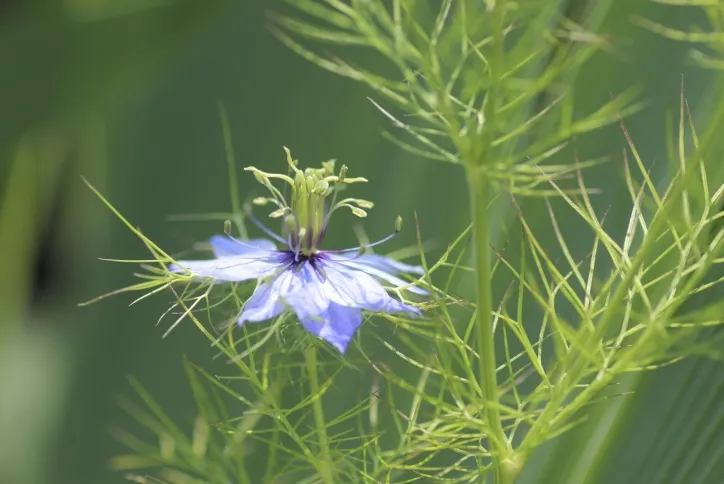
[(478, 188), (324, 464)]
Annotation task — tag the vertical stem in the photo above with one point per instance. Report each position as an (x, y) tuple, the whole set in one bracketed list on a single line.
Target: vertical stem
[(504, 467), (478, 188), (324, 468), (233, 177)]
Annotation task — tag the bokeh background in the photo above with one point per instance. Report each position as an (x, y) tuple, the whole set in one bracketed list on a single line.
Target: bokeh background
[(125, 94)]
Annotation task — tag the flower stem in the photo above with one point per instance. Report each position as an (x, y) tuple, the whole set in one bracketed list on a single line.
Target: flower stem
[(478, 188), (324, 466)]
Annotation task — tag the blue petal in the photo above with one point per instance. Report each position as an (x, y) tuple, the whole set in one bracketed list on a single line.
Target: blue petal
[(362, 264), (297, 287), (336, 325), (267, 301), (235, 268), (388, 265), (224, 246), (308, 297), (357, 289)]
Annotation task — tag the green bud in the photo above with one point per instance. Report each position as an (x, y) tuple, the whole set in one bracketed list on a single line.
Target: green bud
[(227, 227), (342, 172), (260, 201), (398, 224)]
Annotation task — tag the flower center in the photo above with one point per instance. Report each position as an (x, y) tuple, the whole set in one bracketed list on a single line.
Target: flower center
[(313, 199)]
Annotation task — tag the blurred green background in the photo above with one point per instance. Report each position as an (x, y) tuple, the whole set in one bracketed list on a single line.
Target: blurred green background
[(125, 94)]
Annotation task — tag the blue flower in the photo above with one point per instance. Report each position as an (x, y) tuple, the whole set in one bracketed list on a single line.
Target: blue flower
[(328, 290)]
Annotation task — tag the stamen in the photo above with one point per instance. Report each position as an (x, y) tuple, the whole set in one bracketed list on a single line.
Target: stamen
[(363, 248), (264, 228), (241, 242), (338, 183), (300, 239), (264, 179), (292, 227)]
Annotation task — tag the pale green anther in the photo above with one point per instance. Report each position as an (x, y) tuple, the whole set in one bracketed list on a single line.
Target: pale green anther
[(260, 201), (264, 178), (318, 172), (321, 188), (342, 172), (358, 211), (364, 203), (358, 179), (261, 178), (279, 212), (227, 227), (398, 224)]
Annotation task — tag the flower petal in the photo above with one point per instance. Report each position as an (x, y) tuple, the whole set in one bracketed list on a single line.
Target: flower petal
[(297, 287), (235, 268), (308, 296), (336, 325), (388, 265), (224, 246), (262, 305), (373, 269), (357, 289), (267, 301)]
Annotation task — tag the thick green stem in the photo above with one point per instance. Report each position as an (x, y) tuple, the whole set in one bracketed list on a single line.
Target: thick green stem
[(504, 460), (324, 465), (478, 188)]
